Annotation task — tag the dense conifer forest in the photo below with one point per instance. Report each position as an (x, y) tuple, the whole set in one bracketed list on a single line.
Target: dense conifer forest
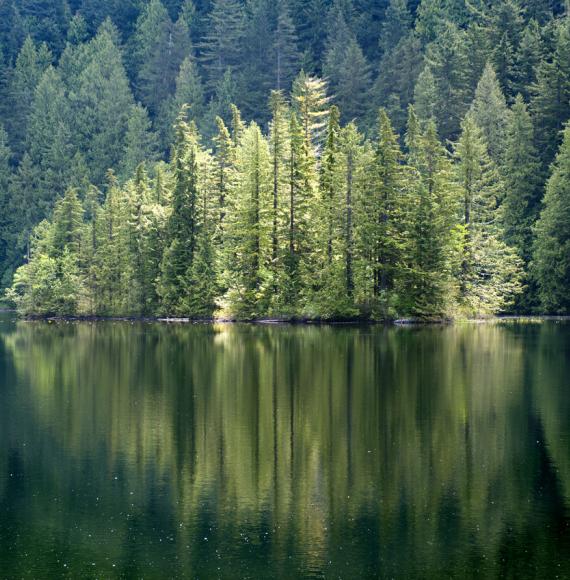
[(299, 158)]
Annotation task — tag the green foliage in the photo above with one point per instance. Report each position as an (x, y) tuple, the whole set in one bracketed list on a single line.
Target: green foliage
[(523, 190), (552, 247), (490, 271), (90, 86)]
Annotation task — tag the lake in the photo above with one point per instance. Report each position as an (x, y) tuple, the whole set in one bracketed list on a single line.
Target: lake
[(148, 450)]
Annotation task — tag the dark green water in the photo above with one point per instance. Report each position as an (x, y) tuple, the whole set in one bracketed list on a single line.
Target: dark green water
[(153, 451)]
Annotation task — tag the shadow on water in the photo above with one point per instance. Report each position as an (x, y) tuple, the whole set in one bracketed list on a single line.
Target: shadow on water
[(236, 451)]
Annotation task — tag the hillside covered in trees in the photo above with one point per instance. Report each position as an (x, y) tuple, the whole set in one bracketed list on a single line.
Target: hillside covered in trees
[(322, 159)]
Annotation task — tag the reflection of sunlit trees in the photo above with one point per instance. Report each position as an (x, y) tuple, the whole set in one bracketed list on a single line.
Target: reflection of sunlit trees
[(307, 435)]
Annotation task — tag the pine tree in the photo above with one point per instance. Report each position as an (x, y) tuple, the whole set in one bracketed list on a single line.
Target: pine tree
[(49, 139), (522, 174), (67, 225), (285, 55), (430, 290), (382, 216), (312, 104), (46, 21), (140, 142), (551, 258), (189, 91), (150, 27), (221, 48), (398, 74), (112, 278), (397, 23), (31, 63), (220, 103), (506, 25), (329, 183), (257, 73), (225, 160), (182, 224), (300, 201), (248, 235), (352, 91), (5, 222), (279, 146), (448, 63), (491, 114), (425, 95), (346, 68), (490, 271), (527, 59), (158, 73), (102, 102), (551, 95)]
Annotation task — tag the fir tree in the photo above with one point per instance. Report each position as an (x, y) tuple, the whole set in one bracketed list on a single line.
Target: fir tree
[(448, 64), (248, 234), (182, 225), (522, 174), (551, 258), (221, 48), (102, 102), (285, 55), (5, 222), (551, 95), (382, 216), (31, 63), (140, 142), (491, 114), (490, 271), (50, 137), (433, 211)]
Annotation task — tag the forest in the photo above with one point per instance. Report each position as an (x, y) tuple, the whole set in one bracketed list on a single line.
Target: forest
[(311, 159)]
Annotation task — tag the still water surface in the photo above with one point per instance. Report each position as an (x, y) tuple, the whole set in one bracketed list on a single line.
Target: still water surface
[(228, 451)]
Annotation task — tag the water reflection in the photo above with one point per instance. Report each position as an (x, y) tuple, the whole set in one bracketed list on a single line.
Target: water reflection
[(243, 451)]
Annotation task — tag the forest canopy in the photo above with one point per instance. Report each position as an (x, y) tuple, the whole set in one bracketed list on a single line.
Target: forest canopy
[(321, 159)]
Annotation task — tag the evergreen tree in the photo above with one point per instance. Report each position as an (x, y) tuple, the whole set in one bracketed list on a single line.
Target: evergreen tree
[(490, 271), (433, 216), (102, 103), (221, 48), (46, 21), (527, 59), (158, 74), (522, 174), (5, 222), (248, 236), (491, 114), (181, 226), (31, 63), (311, 102), (151, 25), (220, 103), (425, 95), (49, 139), (551, 99), (285, 54), (350, 80), (551, 265), (300, 202), (140, 141), (382, 217), (225, 158), (397, 23), (448, 63), (398, 73), (506, 26)]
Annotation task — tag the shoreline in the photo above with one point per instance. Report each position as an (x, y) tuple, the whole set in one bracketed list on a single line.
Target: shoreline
[(291, 321)]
